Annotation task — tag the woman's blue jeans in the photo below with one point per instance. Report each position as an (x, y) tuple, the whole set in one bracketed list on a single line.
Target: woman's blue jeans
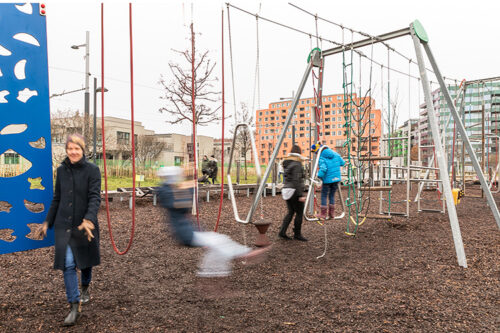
[(71, 278), (328, 192)]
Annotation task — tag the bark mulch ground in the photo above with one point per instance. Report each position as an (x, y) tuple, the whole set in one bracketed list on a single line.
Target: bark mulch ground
[(398, 276)]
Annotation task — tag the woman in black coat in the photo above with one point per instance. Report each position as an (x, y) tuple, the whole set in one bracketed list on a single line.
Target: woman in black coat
[(293, 193), (73, 215)]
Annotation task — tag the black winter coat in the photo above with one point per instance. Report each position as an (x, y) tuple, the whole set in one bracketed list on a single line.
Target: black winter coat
[(77, 196), (294, 175)]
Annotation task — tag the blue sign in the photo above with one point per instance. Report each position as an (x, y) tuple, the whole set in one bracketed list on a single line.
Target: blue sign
[(24, 126)]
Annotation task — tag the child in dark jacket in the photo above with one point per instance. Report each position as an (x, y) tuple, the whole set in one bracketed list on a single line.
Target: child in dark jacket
[(176, 196), (293, 193)]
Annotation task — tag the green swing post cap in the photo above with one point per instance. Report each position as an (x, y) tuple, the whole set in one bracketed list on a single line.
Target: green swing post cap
[(311, 53), (420, 31)]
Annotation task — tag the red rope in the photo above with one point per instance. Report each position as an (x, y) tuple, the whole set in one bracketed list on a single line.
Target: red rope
[(103, 136), (194, 128), (222, 145)]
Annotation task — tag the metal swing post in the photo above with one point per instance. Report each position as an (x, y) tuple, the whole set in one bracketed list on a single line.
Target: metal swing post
[(420, 37), (295, 102)]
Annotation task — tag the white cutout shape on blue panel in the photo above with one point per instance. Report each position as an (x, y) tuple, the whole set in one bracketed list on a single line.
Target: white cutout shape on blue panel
[(13, 129), (4, 93), (26, 8), (4, 51), (19, 69), (27, 38), (26, 94)]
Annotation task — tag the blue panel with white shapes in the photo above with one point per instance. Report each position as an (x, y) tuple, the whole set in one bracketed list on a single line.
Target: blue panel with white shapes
[(25, 144)]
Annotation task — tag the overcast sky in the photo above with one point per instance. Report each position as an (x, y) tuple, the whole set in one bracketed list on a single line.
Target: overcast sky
[(464, 37)]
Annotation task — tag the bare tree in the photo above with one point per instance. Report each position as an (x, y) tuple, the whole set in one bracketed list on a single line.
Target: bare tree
[(62, 124), (243, 141), (391, 118), (179, 93), (147, 148)]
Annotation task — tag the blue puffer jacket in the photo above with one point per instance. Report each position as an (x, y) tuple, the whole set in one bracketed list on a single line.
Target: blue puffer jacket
[(329, 166)]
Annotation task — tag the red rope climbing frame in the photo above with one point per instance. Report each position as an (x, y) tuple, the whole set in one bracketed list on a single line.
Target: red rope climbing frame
[(115, 248)]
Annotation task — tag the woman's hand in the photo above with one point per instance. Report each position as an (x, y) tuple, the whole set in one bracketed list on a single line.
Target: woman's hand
[(302, 199), (42, 231), (87, 226)]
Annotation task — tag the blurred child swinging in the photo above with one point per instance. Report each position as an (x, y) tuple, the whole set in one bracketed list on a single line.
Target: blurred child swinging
[(176, 196)]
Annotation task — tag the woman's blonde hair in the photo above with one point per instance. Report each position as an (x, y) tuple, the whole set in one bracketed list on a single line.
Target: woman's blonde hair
[(76, 139)]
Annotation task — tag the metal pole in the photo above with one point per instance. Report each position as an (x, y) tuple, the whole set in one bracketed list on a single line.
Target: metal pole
[(431, 116), (95, 120), (289, 118), (87, 95), (465, 138)]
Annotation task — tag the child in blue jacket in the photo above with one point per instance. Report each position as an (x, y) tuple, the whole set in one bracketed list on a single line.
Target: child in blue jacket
[(329, 172)]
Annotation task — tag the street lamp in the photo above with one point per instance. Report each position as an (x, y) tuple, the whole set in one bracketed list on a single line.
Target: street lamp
[(96, 90), (87, 74)]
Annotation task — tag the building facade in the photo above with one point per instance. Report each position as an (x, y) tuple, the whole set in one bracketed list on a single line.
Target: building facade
[(480, 116), (270, 122)]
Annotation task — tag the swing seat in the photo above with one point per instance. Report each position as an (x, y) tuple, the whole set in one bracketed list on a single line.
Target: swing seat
[(262, 226)]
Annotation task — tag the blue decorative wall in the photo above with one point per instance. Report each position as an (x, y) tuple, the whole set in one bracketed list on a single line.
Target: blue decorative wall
[(24, 100)]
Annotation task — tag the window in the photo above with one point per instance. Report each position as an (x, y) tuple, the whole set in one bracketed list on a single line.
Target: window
[(263, 145), (301, 121), (301, 102), (285, 144), (339, 98), (301, 128), (301, 109), (301, 135), (372, 115), (11, 158), (178, 160), (122, 138), (339, 132), (272, 112), (327, 133), (339, 118), (271, 118), (260, 113), (267, 112), (327, 112), (327, 106), (327, 126), (333, 125), (307, 115), (265, 119), (329, 99)]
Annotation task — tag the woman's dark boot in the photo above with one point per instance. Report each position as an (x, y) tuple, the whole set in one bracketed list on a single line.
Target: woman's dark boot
[(85, 296), (298, 234), (73, 315), (284, 226)]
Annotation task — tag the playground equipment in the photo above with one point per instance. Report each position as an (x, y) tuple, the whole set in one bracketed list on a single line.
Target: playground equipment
[(115, 248), (420, 40), (24, 124), (261, 225)]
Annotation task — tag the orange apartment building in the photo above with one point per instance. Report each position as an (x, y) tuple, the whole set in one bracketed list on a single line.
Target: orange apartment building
[(269, 124)]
